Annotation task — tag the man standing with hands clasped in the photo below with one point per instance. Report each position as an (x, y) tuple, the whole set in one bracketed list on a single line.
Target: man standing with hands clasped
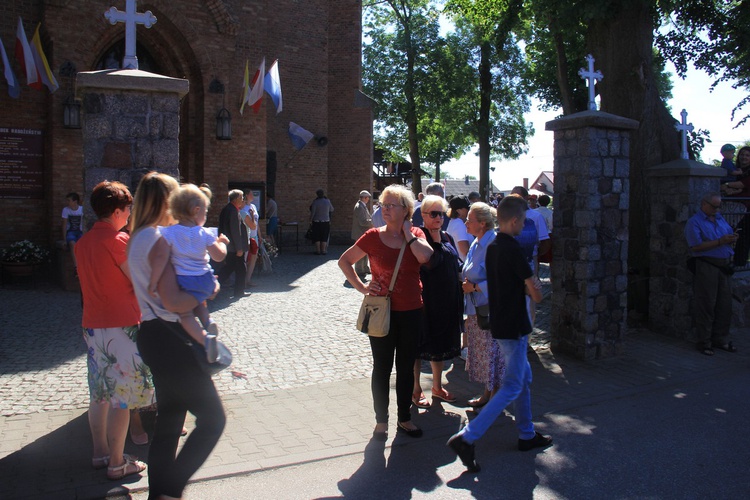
[(710, 240), (361, 222), (230, 225)]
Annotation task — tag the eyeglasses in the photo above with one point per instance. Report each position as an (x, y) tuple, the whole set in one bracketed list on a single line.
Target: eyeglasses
[(389, 206), (436, 213), (715, 207)]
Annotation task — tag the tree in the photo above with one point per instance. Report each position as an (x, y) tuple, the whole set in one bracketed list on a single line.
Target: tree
[(402, 35), (499, 127)]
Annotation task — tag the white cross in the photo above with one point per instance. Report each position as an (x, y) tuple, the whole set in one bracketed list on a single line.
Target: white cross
[(591, 77), (683, 128), (131, 18)]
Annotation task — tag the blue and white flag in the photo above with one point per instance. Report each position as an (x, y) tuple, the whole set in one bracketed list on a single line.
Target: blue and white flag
[(299, 136), (14, 89), (272, 84)]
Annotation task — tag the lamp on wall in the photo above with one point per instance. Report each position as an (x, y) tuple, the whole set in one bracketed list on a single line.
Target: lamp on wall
[(71, 107), (71, 113), (224, 125)]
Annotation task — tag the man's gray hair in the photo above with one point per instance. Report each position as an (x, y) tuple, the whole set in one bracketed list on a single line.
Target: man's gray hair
[(435, 188), (234, 194)]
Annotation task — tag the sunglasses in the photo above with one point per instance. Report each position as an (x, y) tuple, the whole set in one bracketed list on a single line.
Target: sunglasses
[(436, 213)]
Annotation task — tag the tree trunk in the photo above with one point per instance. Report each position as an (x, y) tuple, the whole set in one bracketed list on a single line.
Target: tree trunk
[(622, 47), (566, 91), (483, 124)]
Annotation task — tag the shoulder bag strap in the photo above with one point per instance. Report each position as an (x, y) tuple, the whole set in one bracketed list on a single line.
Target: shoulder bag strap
[(398, 264)]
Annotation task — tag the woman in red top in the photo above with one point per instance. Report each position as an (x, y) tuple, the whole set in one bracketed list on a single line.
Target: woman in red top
[(118, 378), (382, 245)]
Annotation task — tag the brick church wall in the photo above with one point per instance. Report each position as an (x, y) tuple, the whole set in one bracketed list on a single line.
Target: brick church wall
[(318, 46)]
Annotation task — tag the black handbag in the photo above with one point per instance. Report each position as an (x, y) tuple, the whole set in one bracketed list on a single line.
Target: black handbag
[(483, 314)]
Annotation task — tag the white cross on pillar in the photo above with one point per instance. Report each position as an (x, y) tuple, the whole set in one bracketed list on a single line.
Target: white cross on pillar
[(591, 77), (131, 18), (683, 128)]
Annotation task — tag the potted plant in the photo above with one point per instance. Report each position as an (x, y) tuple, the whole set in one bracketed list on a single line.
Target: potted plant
[(22, 257)]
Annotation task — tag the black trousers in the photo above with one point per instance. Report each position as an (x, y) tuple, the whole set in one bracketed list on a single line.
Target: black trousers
[(236, 265), (402, 339), (181, 387)]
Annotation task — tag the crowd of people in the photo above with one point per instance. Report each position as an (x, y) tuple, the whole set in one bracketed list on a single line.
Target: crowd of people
[(461, 284), (146, 273)]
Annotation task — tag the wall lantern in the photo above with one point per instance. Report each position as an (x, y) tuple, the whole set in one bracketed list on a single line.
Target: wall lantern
[(224, 125), (71, 113)]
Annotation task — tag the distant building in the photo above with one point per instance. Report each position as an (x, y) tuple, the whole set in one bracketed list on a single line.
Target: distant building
[(545, 183)]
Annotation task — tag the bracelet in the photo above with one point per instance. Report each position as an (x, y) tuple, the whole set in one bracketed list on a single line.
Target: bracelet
[(411, 241)]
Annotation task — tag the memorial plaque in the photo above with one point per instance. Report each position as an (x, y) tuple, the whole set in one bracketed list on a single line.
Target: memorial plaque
[(21, 163)]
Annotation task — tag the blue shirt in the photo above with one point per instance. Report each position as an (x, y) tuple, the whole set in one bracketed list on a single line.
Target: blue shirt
[(700, 229), (728, 165), (475, 271)]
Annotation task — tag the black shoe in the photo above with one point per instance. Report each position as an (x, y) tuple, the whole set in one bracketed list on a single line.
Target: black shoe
[(538, 441), (240, 295), (415, 433), (465, 452)]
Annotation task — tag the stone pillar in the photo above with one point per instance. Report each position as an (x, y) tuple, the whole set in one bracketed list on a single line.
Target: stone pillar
[(130, 125), (589, 268), (678, 187)]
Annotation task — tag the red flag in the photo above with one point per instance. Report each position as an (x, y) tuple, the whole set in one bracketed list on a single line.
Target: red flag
[(25, 58)]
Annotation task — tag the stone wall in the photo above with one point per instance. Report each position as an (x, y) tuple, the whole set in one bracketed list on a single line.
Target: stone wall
[(678, 187), (589, 270), (130, 125)]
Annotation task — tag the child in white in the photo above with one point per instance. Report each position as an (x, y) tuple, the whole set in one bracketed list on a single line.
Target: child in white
[(190, 246)]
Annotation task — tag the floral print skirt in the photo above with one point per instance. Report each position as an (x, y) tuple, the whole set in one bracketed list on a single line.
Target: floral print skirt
[(484, 361), (116, 372)]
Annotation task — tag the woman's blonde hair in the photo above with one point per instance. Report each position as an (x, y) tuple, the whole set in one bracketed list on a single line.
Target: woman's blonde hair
[(404, 195), (151, 201), (484, 214), (184, 199), (431, 200)]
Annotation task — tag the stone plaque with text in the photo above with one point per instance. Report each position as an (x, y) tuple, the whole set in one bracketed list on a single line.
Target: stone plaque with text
[(21, 163)]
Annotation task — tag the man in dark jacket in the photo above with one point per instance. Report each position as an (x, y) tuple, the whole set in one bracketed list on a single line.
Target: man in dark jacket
[(230, 225)]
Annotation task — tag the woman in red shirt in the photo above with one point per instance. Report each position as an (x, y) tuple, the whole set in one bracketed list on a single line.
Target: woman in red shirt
[(118, 378), (382, 245)]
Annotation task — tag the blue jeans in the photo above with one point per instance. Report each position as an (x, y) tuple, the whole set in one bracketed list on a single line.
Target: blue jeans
[(516, 389)]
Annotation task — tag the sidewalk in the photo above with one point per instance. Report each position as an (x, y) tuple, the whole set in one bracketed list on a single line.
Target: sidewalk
[(307, 393)]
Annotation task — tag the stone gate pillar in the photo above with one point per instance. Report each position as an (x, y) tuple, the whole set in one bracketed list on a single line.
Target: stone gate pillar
[(130, 125), (678, 187), (589, 268)]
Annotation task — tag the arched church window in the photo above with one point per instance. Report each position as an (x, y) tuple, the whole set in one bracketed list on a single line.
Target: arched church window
[(112, 58)]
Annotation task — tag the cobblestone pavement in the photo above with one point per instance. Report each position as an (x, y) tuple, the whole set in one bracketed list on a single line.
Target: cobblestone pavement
[(300, 390), (296, 329)]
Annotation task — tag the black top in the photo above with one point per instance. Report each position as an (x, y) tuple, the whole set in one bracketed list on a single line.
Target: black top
[(231, 225), (507, 270), (443, 300)]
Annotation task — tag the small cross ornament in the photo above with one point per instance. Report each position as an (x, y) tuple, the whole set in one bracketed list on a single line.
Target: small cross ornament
[(131, 18), (591, 77), (683, 128)]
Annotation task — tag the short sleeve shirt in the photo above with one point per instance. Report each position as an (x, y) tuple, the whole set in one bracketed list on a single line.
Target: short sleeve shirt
[(457, 229), (507, 270), (74, 217), (108, 297), (407, 292), (188, 248)]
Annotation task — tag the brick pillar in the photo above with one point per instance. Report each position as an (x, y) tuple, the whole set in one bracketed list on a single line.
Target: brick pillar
[(678, 187), (130, 126), (589, 269)]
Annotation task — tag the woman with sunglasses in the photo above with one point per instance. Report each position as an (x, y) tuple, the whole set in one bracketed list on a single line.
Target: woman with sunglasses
[(382, 245), (443, 302)]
